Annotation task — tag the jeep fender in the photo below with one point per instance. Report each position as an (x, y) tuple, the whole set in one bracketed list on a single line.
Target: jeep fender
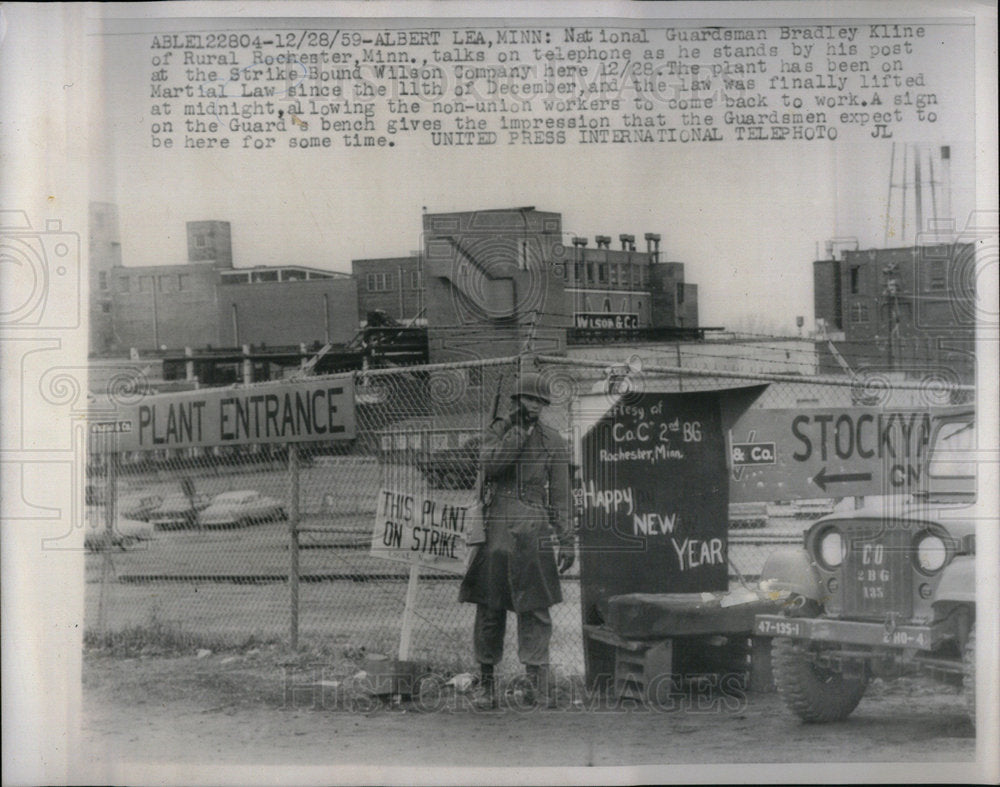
[(958, 582), (790, 569)]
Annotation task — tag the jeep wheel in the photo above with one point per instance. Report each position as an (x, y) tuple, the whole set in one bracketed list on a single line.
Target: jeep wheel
[(969, 678), (813, 693)]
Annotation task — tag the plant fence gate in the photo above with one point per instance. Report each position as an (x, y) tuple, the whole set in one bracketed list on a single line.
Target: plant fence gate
[(272, 540)]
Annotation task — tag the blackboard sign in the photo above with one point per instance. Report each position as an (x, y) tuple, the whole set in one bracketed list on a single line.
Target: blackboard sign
[(655, 499)]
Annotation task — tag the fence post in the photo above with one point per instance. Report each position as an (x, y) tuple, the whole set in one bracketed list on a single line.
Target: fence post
[(406, 630), (110, 507), (293, 544), (111, 490)]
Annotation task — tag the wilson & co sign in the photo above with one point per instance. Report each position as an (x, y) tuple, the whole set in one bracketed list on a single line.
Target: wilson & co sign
[(604, 320)]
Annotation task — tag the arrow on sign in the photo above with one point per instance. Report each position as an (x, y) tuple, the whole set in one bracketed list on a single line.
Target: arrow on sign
[(821, 479)]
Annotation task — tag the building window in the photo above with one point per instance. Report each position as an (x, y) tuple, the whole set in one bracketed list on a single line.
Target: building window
[(200, 241), (578, 271), (602, 272), (855, 279), (123, 283), (106, 308), (165, 284), (590, 273), (624, 305), (859, 312), (102, 279), (145, 284), (936, 278), (680, 292), (183, 281), (607, 304), (614, 274), (415, 280), (378, 282)]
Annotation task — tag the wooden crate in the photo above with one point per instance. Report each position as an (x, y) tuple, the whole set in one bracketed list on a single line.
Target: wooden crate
[(648, 670)]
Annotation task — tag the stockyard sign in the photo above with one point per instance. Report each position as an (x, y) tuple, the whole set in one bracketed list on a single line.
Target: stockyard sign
[(823, 452), (281, 413), (423, 529)]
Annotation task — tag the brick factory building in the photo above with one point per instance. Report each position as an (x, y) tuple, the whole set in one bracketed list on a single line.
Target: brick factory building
[(493, 278), (206, 301), (393, 285), (285, 305), (482, 285), (906, 311), (485, 282)]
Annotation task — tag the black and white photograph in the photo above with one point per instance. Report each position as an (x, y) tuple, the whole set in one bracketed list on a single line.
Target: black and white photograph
[(425, 393)]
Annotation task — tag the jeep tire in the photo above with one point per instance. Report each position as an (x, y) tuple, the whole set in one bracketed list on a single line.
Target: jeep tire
[(813, 693), (969, 676)]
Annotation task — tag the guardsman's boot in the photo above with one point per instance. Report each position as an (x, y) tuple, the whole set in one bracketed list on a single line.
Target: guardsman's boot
[(486, 696), (540, 686)]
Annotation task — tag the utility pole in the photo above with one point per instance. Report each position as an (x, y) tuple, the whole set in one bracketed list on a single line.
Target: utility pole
[(890, 294)]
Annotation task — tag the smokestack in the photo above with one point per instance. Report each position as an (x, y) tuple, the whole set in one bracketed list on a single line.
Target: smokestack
[(946, 180), (653, 245)]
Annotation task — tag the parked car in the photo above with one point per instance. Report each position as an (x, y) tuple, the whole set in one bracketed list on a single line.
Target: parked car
[(138, 505), (178, 511), (125, 531), (94, 494), (747, 515), (799, 509), (237, 509), (879, 591)]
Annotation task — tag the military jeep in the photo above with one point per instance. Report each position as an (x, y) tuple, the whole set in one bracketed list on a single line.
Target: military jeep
[(879, 591)]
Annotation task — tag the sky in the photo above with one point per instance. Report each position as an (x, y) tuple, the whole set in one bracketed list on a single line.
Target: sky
[(747, 220)]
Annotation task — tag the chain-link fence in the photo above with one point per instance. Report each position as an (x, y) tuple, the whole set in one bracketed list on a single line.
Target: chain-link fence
[(273, 541)]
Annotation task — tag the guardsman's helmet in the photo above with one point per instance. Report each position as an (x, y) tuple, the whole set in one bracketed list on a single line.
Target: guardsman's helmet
[(534, 385)]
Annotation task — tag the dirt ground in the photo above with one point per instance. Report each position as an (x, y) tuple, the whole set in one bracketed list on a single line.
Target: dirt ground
[(258, 705)]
